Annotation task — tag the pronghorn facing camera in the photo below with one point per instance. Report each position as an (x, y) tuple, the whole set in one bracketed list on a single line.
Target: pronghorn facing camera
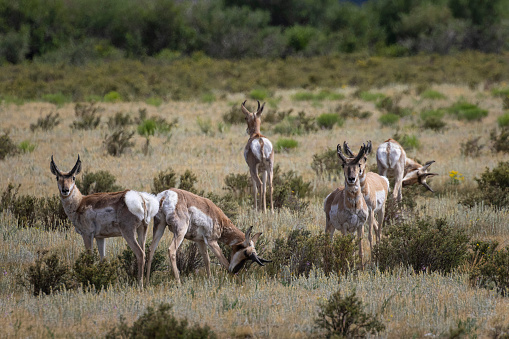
[(198, 219), (259, 155), (345, 208), (374, 188), (105, 215), (392, 161)]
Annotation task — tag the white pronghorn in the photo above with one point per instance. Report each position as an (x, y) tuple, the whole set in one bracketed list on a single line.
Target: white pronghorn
[(374, 188), (392, 160), (105, 215), (345, 208), (259, 155), (198, 219)]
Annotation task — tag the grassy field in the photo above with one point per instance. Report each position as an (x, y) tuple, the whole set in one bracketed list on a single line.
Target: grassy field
[(252, 304)]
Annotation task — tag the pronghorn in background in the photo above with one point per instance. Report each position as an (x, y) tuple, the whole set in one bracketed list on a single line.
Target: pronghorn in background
[(392, 160), (375, 189), (198, 219), (105, 215), (345, 208), (259, 155)]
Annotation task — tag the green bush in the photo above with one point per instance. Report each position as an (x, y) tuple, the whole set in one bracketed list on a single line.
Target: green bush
[(91, 272), (259, 94), (118, 142), (369, 96), (7, 146), (47, 123), (112, 96), (322, 95), (87, 115), (388, 119), (159, 323), (164, 180), (349, 110), (503, 120), (97, 182), (467, 111), (493, 187), (344, 317), (238, 184), (390, 105), (58, 99), (129, 264), (299, 252), (234, 115), (189, 258), (119, 120), (285, 144), (433, 95), (424, 245), (326, 163), (500, 92), (154, 101), (296, 125), (433, 120), (48, 274), (208, 98), (328, 120), (187, 181), (490, 266), (26, 146), (289, 190)]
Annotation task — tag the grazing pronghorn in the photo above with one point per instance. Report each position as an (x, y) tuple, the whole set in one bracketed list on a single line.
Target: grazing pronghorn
[(374, 188), (345, 208), (392, 160), (105, 215), (259, 155), (198, 219)]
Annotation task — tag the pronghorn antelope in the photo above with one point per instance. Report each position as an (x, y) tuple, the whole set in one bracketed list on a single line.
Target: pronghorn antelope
[(105, 215), (374, 188), (259, 155), (392, 160), (345, 208), (198, 219)]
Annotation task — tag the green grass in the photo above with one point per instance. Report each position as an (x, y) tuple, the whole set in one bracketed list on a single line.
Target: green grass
[(388, 119), (320, 96), (432, 95), (259, 94), (286, 144), (503, 120), (112, 96), (154, 101), (58, 99), (328, 120), (500, 92), (466, 111), (26, 146), (370, 96)]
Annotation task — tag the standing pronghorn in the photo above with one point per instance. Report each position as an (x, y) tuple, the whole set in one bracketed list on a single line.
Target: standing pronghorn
[(259, 155), (374, 188), (345, 208), (105, 215), (392, 160), (198, 219)]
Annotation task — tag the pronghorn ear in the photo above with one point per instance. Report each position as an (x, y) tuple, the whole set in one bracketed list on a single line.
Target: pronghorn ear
[(248, 236), (244, 109), (53, 167), (255, 237)]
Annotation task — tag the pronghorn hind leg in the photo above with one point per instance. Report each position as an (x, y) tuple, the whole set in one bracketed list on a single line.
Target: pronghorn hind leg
[(202, 247), (101, 247), (172, 253), (158, 231), (264, 192), (138, 252), (257, 184)]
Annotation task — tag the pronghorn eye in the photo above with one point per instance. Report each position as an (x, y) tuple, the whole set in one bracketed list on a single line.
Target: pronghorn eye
[(73, 178)]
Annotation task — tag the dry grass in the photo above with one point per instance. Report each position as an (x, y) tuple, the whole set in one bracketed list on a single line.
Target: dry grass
[(247, 303)]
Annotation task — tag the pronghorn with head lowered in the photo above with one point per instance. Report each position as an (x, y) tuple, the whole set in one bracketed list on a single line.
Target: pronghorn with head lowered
[(392, 160), (259, 155), (345, 208), (198, 219), (104, 215), (374, 188)]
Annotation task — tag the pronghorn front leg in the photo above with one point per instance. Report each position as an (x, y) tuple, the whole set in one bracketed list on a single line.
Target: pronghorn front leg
[(101, 247), (158, 232), (88, 240), (218, 253), (202, 247), (264, 192), (257, 184)]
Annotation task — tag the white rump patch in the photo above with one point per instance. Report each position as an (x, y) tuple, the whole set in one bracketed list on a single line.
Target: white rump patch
[(170, 201), (256, 149), (137, 201)]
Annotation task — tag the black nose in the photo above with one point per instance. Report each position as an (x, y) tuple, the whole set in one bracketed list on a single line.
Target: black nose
[(351, 180), (65, 190)]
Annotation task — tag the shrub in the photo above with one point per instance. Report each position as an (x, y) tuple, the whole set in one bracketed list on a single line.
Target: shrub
[(500, 141), (503, 120), (90, 271), (433, 120), (95, 182), (187, 181), (118, 142), (299, 252), (112, 96), (48, 274), (328, 120), (348, 110), (154, 101), (7, 146), (285, 144), (500, 92), (159, 324), (238, 184), (388, 119), (164, 180), (433, 95), (471, 147), (424, 245), (493, 187), (369, 96), (205, 126), (407, 141), (234, 115), (228, 203), (390, 105), (129, 264), (87, 116), (276, 116), (466, 111), (296, 125), (259, 94), (344, 317), (490, 266), (147, 128), (26, 146), (58, 99), (47, 123), (326, 163), (189, 259), (322, 95), (289, 189), (119, 120)]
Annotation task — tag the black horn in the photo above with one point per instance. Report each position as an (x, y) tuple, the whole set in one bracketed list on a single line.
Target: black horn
[(53, 167), (77, 167), (340, 154), (347, 149)]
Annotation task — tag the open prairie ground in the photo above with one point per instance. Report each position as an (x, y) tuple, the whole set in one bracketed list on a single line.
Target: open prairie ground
[(251, 304)]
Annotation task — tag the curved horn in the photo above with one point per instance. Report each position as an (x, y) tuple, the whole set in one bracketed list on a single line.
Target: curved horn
[(258, 105), (244, 109), (53, 167), (347, 150), (340, 154), (255, 258), (264, 260), (369, 147), (425, 184), (361, 154), (427, 165), (77, 167)]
